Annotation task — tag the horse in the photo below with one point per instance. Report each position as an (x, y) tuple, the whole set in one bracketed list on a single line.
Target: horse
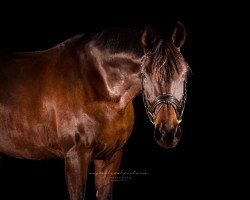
[(74, 100)]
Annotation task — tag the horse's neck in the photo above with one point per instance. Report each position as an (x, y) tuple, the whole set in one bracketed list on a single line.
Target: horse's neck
[(120, 73)]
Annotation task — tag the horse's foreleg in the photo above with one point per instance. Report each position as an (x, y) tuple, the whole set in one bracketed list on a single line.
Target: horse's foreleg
[(104, 171), (76, 169)]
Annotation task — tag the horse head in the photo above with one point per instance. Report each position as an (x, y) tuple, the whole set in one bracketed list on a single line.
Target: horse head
[(163, 79)]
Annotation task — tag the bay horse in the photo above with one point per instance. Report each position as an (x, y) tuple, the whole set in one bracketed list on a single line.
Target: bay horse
[(74, 100)]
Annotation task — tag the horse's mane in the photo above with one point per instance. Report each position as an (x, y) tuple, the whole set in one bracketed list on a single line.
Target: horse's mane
[(164, 56), (120, 40)]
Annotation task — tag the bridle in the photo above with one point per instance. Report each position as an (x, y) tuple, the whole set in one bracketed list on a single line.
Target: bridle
[(178, 106)]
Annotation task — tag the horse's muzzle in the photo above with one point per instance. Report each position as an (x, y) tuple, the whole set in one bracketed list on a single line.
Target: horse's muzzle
[(167, 137)]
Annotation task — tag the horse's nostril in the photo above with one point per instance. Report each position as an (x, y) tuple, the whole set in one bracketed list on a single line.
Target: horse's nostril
[(160, 127), (178, 132), (157, 134)]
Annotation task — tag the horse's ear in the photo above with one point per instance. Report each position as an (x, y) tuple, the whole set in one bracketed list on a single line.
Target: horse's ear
[(148, 39), (179, 35)]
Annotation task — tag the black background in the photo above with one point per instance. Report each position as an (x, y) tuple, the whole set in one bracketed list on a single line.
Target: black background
[(201, 166)]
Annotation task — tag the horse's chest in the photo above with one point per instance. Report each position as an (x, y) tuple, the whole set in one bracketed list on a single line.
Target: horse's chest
[(114, 131)]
